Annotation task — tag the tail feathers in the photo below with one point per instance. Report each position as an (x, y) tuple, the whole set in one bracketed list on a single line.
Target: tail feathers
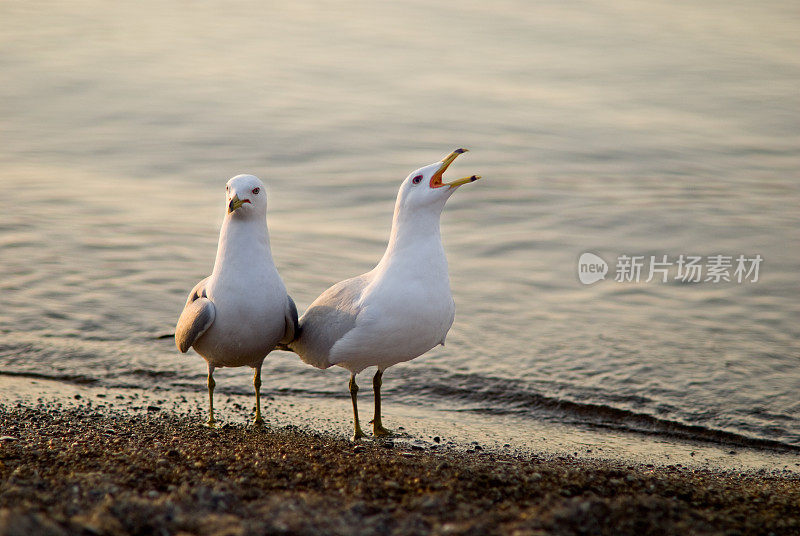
[(287, 346), (309, 358)]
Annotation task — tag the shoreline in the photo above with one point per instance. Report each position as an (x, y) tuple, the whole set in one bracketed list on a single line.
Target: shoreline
[(502, 433), (80, 470)]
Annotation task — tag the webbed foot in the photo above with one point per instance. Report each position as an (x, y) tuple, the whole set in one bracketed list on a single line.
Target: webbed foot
[(380, 431)]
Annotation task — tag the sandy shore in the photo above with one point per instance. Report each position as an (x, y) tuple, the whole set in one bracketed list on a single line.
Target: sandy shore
[(77, 471)]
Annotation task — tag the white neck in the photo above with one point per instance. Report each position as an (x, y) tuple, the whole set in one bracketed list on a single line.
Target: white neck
[(243, 245), (415, 238)]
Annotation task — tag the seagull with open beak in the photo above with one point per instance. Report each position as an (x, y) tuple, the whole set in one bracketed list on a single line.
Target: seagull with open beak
[(401, 308)]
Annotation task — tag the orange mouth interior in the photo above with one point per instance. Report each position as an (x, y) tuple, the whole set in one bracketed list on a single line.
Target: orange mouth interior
[(436, 179)]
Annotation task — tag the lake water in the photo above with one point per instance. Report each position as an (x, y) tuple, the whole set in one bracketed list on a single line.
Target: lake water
[(637, 128)]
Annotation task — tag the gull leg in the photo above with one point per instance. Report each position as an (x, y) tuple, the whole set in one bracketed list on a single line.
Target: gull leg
[(211, 385), (377, 427), (357, 433), (258, 421)]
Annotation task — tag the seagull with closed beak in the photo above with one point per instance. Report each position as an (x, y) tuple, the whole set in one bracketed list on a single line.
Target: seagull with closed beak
[(237, 315), (401, 308)]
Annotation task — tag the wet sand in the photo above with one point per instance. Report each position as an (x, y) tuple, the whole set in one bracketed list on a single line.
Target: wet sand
[(80, 471)]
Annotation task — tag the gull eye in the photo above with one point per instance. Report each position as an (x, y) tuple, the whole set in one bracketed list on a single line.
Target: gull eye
[(417, 179), (256, 190)]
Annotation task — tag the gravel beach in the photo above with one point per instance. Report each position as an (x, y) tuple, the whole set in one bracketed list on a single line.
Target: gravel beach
[(78, 471)]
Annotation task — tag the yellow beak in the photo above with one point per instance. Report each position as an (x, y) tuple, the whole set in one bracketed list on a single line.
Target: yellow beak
[(465, 180), (234, 203), (436, 179)]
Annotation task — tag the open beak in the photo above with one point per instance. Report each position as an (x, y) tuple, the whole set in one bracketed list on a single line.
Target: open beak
[(235, 203), (436, 179)]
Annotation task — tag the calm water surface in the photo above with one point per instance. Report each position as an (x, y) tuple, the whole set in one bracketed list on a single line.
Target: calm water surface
[(639, 128)]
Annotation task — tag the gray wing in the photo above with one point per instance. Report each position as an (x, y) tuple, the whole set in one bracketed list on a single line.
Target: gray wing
[(197, 316), (292, 328), (199, 291), (327, 320)]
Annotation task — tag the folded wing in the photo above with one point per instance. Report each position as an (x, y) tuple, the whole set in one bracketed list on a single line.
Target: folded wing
[(196, 318), (292, 328), (328, 319)]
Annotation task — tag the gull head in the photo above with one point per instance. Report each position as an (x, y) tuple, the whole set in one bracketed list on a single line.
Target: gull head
[(425, 187), (245, 196)]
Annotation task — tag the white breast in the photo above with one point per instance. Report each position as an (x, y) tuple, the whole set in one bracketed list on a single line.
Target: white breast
[(249, 298), (405, 311)]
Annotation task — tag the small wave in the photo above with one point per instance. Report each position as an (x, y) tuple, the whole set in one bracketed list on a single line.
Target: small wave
[(149, 373), (67, 378), (505, 396)]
